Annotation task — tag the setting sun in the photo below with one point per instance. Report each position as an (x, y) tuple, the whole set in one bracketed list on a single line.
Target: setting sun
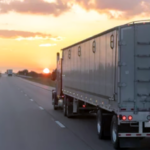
[(46, 70)]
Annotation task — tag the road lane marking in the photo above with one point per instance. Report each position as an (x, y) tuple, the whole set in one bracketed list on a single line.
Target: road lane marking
[(41, 108), (31, 100), (60, 124)]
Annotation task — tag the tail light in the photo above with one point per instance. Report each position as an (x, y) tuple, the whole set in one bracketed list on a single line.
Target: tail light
[(124, 118), (130, 118), (83, 106)]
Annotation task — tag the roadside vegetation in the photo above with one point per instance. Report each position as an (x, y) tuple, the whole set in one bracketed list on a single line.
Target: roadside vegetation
[(45, 79)]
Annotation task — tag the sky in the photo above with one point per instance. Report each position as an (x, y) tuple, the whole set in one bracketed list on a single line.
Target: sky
[(33, 31)]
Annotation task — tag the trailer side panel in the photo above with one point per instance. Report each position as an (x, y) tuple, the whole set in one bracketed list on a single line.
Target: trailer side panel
[(92, 67)]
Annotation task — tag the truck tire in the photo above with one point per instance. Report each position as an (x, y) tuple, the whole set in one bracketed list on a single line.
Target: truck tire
[(55, 101), (100, 124), (64, 106), (114, 132), (69, 108), (54, 106)]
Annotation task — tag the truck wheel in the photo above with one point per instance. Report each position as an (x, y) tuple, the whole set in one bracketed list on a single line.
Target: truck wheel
[(64, 106), (114, 132), (69, 108), (54, 106), (54, 102), (100, 124)]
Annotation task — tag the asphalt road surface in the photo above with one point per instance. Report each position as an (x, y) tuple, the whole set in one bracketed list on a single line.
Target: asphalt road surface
[(28, 121)]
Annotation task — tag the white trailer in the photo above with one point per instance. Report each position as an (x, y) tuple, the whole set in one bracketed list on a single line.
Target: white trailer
[(110, 73), (9, 72)]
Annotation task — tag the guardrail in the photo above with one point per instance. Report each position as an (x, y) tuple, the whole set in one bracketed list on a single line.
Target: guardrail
[(24, 76)]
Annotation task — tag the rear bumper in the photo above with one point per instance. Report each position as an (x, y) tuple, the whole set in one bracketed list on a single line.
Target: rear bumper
[(139, 126), (137, 135)]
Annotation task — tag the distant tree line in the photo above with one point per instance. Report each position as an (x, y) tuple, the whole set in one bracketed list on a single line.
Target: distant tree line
[(38, 75)]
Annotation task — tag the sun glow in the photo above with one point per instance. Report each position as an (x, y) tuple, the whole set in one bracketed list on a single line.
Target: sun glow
[(46, 70)]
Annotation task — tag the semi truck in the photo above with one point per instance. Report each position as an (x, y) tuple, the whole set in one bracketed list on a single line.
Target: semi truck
[(9, 72), (109, 74)]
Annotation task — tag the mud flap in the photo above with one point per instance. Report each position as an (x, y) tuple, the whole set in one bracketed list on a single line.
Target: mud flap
[(130, 143)]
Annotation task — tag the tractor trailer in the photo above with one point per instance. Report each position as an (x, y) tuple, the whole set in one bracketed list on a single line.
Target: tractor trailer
[(10, 72), (109, 74)]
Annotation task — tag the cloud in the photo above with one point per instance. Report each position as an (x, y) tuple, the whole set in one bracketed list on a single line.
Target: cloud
[(32, 38), (113, 8), (43, 7), (23, 35), (50, 1), (117, 8), (47, 45), (59, 38)]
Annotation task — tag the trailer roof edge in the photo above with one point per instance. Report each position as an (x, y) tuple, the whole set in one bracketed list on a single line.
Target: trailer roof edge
[(102, 33), (89, 38)]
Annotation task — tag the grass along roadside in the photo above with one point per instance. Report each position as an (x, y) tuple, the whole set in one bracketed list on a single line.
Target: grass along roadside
[(44, 81)]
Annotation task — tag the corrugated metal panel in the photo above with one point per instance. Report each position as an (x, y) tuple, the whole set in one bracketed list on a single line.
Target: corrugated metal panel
[(89, 73), (102, 64), (110, 68), (97, 66), (92, 67), (73, 67), (78, 68), (87, 64), (87, 69), (82, 56)]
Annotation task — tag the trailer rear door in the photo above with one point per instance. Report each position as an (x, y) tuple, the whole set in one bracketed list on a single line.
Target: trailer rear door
[(134, 84)]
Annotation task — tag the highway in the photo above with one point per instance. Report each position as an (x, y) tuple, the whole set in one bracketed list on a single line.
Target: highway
[(28, 121)]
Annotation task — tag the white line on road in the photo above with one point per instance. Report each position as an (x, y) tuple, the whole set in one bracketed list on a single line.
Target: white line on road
[(31, 100), (41, 108), (60, 124)]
